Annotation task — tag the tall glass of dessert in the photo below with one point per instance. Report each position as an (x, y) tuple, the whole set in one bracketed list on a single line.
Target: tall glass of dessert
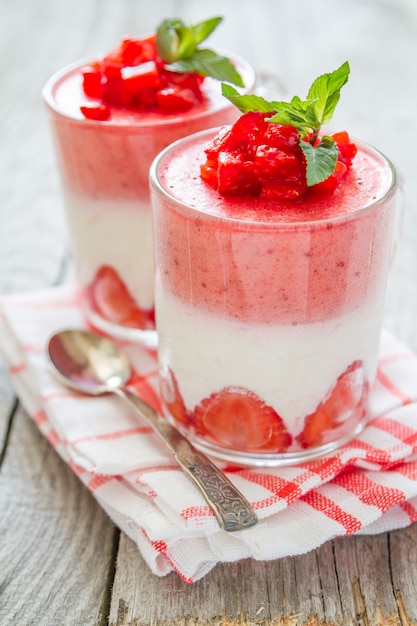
[(109, 118), (273, 245)]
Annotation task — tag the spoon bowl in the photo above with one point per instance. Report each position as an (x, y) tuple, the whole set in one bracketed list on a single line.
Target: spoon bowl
[(94, 365), (88, 362)]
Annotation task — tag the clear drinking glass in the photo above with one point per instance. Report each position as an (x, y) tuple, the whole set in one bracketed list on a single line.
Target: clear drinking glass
[(104, 169), (269, 324)]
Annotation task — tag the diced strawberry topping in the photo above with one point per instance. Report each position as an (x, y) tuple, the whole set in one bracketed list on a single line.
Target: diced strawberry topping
[(133, 76), (257, 157), (348, 396), (237, 418), (347, 149), (110, 297)]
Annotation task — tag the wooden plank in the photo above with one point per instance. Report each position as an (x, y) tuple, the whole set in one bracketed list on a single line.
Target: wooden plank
[(345, 582), (403, 571), (364, 578), (57, 545)]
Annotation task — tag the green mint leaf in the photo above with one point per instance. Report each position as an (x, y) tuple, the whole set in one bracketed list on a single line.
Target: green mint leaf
[(246, 103), (175, 40), (324, 93), (177, 45), (208, 63), (291, 114), (202, 30), (321, 159), (168, 40), (187, 45)]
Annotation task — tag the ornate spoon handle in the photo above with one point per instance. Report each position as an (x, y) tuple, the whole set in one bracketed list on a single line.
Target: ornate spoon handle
[(230, 507)]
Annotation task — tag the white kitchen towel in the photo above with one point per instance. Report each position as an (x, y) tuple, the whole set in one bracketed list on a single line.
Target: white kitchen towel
[(367, 486)]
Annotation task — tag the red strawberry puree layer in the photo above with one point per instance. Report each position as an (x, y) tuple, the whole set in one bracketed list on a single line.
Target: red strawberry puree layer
[(231, 259)]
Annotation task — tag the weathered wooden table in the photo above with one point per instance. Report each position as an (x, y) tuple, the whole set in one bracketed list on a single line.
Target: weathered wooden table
[(61, 560)]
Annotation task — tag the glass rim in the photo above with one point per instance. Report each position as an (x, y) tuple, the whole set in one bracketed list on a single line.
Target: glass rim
[(59, 75), (287, 225)]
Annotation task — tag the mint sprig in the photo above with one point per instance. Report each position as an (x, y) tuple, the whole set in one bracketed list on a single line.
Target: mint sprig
[(178, 45), (307, 116)]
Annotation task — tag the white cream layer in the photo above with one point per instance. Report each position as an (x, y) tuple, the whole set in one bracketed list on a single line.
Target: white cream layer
[(292, 368), (116, 233)]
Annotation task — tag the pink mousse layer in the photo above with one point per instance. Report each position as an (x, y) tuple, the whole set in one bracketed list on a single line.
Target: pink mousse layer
[(112, 159), (268, 262)]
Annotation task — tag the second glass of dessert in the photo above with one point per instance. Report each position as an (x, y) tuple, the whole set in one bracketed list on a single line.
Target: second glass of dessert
[(273, 244), (110, 117)]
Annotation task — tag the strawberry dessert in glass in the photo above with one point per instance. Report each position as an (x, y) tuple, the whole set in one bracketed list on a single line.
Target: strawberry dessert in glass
[(110, 117), (272, 245)]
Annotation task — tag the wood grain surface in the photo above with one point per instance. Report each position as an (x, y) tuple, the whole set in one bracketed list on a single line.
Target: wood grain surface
[(62, 561)]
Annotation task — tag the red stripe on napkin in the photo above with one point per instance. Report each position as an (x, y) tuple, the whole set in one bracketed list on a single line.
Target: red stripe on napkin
[(392, 388), (113, 435), (368, 491), (410, 510), (333, 511), (145, 389)]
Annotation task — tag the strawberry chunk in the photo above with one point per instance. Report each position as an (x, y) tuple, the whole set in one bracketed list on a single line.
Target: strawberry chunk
[(347, 397), (142, 77), (100, 112), (208, 172), (174, 99), (137, 51), (286, 138), (181, 80), (92, 82), (246, 133), (112, 300), (115, 92), (237, 418), (347, 149), (173, 398), (236, 175), (112, 72), (273, 164), (218, 144)]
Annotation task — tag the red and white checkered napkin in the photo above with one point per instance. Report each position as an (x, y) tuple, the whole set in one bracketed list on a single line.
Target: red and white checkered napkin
[(368, 486)]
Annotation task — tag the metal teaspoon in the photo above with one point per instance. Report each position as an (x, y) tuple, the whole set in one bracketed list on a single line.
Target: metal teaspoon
[(94, 365)]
